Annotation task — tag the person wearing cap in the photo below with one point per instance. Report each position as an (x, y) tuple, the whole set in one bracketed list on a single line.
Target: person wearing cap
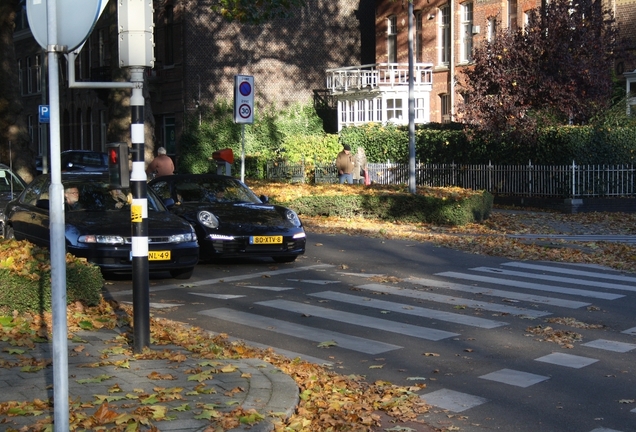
[(344, 165), (161, 165)]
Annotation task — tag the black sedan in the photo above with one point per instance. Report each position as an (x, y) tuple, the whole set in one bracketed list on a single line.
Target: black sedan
[(230, 220), (11, 185), (98, 225)]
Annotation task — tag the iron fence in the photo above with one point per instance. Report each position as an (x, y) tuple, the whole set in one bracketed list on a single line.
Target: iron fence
[(565, 181)]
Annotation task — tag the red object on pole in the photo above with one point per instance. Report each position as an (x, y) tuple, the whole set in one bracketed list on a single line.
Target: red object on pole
[(224, 155)]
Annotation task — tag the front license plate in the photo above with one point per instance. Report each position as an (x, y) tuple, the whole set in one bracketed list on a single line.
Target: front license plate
[(266, 239), (158, 255)]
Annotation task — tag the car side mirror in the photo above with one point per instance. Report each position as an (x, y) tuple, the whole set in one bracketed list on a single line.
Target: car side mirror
[(168, 202), (42, 203), (264, 198)]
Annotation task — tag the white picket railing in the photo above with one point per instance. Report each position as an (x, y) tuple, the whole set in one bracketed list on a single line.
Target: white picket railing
[(567, 181)]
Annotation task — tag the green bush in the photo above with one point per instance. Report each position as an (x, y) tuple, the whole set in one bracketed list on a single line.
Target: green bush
[(403, 207), (25, 278)]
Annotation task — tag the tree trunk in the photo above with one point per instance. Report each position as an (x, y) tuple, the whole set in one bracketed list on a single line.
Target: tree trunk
[(16, 148)]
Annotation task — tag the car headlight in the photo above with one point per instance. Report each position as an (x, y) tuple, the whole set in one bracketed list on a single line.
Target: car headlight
[(183, 238), (207, 219), (102, 239), (292, 217)]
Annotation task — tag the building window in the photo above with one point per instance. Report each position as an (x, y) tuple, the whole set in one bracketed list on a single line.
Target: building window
[(361, 111), (394, 109), (467, 32), (492, 29), (21, 21), (444, 100), (21, 77), (420, 109), (169, 43), (102, 48), (444, 35), (30, 128), (378, 110), (103, 129), (392, 39), (370, 107), (170, 134), (418, 37), (512, 15)]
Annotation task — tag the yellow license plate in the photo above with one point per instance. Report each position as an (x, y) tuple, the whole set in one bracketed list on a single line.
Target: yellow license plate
[(158, 255), (266, 239)]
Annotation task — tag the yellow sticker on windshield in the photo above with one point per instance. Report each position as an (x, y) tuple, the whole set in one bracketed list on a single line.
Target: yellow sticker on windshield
[(136, 213)]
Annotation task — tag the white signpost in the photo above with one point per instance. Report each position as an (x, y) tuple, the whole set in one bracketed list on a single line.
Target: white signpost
[(59, 26), (243, 109)]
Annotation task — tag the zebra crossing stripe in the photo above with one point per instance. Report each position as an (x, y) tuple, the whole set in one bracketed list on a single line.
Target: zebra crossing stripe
[(360, 320), (410, 310), (562, 270), (452, 400), (456, 301), (553, 301), (354, 343), (550, 278), (533, 286), (515, 377)]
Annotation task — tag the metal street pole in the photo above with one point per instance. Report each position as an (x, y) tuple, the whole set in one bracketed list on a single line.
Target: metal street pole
[(412, 185), (57, 235)]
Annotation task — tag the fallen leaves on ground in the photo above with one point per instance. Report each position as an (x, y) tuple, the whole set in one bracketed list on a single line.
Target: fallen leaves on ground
[(564, 338), (487, 238), (328, 401)]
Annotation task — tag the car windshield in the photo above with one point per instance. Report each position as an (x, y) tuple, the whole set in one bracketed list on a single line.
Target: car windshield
[(9, 183), (208, 190), (100, 196)]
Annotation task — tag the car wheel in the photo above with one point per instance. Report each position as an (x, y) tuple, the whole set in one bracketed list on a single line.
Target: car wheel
[(285, 259), (182, 273), (8, 233)]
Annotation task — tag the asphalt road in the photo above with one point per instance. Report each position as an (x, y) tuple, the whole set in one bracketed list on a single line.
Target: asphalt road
[(465, 325)]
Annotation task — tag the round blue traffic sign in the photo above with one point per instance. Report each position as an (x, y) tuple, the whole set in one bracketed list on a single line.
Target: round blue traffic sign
[(245, 88)]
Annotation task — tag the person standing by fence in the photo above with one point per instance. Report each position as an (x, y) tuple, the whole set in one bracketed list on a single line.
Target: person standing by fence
[(344, 165), (360, 167)]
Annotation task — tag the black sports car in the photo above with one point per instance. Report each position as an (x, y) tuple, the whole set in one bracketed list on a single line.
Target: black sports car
[(229, 219), (98, 225)]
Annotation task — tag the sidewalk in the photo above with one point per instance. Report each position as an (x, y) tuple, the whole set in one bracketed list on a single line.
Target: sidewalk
[(179, 393)]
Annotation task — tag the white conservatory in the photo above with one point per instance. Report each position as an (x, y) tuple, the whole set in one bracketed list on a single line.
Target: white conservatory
[(380, 93)]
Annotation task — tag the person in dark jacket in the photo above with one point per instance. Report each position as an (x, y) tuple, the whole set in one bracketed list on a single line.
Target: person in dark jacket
[(344, 165)]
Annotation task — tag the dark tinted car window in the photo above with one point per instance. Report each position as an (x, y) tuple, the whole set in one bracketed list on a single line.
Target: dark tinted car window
[(99, 196), (210, 190), (35, 189), (8, 183)]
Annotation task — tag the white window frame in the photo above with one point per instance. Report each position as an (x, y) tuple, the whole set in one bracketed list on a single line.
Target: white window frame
[(391, 39), (466, 32), (512, 15), (444, 35), (395, 109), (444, 107), (419, 55), (492, 29)]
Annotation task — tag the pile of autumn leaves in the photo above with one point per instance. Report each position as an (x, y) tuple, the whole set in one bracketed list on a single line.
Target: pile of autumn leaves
[(328, 401), (488, 238)]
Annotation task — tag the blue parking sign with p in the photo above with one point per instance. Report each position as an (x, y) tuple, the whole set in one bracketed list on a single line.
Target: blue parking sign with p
[(45, 113)]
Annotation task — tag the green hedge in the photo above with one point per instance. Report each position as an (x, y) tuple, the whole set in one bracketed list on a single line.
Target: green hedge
[(25, 279), (402, 207)]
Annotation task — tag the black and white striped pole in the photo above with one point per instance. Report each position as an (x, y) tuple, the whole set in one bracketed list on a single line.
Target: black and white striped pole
[(136, 52), (139, 217)]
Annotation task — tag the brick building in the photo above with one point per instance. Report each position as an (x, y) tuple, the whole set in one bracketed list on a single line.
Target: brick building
[(197, 54), (445, 33), (358, 48)]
